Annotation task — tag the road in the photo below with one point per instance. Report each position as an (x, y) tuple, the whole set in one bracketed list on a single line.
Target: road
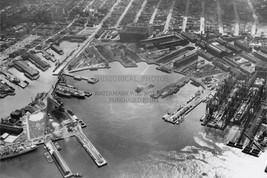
[(219, 12), (123, 14), (140, 11), (154, 13), (167, 24), (88, 5), (202, 17), (255, 17), (237, 20), (185, 16)]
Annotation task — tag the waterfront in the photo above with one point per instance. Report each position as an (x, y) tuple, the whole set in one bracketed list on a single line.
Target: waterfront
[(134, 140)]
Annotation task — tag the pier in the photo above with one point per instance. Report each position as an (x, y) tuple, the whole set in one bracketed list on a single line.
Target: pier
[(60, 162), (90, 149), (178, 117), (79, 77)]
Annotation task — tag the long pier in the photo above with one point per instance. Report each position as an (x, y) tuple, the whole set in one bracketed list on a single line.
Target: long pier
[(79, 77), (60, 162), (90, 149)]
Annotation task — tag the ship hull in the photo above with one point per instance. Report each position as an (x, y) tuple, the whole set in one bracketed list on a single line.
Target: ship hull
[(18, 154)]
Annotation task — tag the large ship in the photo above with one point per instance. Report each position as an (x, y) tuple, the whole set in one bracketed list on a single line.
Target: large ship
[(62, 93), (16, 150), (63, 89)]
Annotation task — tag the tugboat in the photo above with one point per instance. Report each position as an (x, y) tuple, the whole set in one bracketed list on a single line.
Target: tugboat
[(12, 151)]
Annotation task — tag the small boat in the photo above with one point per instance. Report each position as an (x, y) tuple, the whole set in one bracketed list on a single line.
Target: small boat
[(82, 123), (78, 95), (57, 146), (77, 77), (88, 94), (77, 174)]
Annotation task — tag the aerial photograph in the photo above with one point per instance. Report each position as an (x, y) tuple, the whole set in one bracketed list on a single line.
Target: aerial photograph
[(133, 88)]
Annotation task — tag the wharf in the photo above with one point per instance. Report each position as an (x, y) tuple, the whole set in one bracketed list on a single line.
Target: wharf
[(170, 89), (78, 77), (177, 117), (15, 80), (60, 162), (90, 149), (88, 68)]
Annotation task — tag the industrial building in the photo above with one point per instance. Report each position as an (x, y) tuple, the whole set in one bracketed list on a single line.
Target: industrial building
[(135, 33), (264, 50), (189, 36), (4, 128), (260, 55), (166, 41), (243, 46), (15, 116), (222, 48), (28, 71), (215, 51), (173, 55), (232, 38), (185, 60), (234, 48), (73, 63), (221, 41), (261, 68), (74, 38), (229, 62), (33, 58), (219, 64), (249, 57), (57, 49), (205, 55)]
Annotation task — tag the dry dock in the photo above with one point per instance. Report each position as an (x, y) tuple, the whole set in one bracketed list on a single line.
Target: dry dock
[(60, 162), (90, 149)]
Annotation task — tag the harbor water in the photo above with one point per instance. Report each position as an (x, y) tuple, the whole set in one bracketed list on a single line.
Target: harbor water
[(134, 139)]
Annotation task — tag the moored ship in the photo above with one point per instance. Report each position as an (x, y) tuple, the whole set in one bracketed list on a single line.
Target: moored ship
[(13, 151), (62, 93)]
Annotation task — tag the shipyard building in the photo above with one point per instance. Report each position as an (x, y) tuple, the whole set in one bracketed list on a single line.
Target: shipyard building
[(33, 58), (57, 49), (166, 41), (74, 38), (205, 55), (260, 55), (135, 33), (212, 49), (243, 46), (261, 68), (185, 60), (10, 129), (28, 71)]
